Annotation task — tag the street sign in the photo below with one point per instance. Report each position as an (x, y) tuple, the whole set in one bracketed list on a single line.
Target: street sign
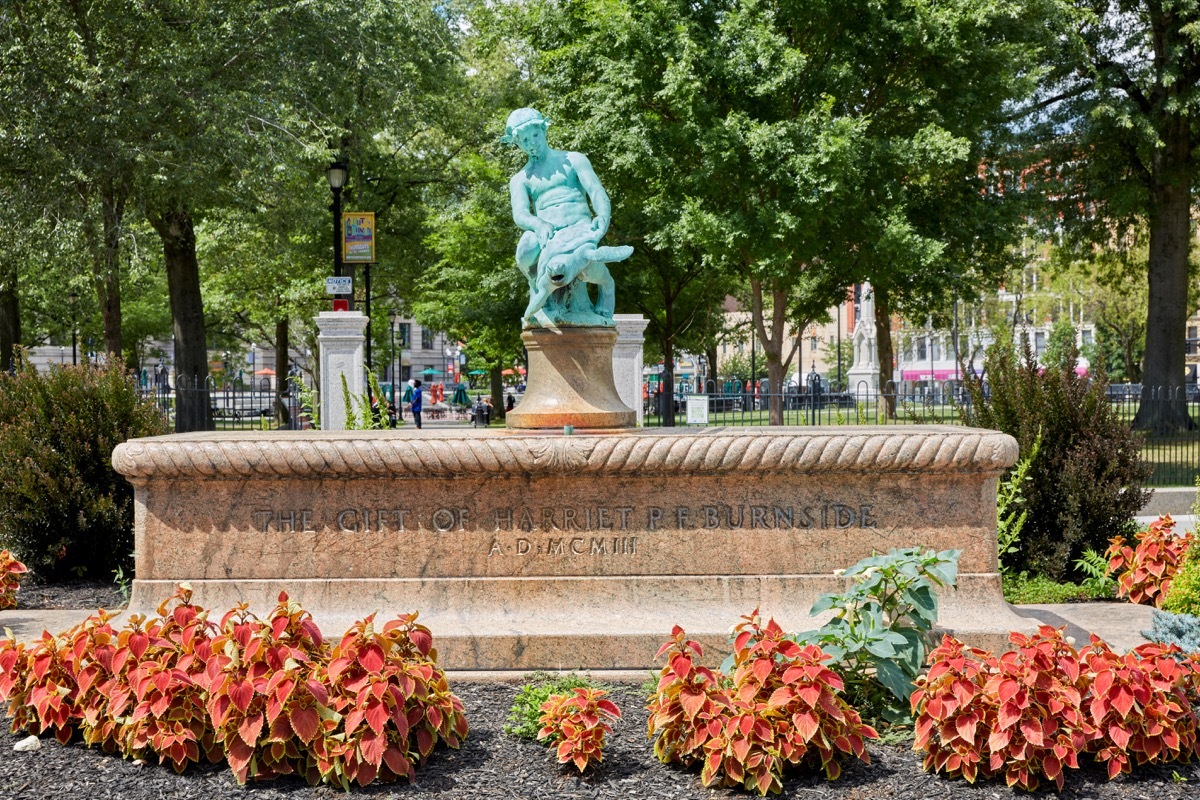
[(343, 285)]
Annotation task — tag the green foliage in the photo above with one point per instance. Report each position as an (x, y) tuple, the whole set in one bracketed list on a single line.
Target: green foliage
[(307, 398), (1085, 485), (523, 717), (1010, 506), (882, 626), (1184, 595), (1024, 589), (736, 366), (63, 508), (1181, 630), (365, 412)]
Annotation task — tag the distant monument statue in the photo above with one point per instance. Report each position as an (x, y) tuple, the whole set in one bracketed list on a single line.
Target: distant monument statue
[(865, 369), (560, 251)]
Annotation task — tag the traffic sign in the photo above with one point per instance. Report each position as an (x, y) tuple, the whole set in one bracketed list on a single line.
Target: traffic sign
[(343, 285)]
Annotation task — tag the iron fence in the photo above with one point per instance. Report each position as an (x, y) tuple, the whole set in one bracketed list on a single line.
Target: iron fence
[(1173, 451), (213, 405)]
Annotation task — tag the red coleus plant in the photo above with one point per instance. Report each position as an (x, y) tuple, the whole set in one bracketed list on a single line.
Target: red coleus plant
[(11, 571), (1139, 705), (393, 704), (780, 707), (1031, 712), (578, 722), (1145, 570), (262, 699), (269, 696)]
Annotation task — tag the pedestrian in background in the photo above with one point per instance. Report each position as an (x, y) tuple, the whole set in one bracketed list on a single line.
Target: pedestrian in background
[(416, 401)]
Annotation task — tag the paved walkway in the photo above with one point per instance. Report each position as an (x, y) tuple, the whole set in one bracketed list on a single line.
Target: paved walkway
[(1119, 624)]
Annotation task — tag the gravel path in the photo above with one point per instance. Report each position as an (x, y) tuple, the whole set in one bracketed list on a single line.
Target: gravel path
[(494, 765)]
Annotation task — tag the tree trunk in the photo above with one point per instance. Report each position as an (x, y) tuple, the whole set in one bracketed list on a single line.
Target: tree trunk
[(192, 409), (1163, 406), (108, 279), (883, 337), (497, 390), (772, 342), (283, 390), (10, 315), (667, 387)]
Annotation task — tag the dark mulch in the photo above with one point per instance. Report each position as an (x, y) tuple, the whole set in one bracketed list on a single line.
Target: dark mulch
[(494, 765), (73, 594)]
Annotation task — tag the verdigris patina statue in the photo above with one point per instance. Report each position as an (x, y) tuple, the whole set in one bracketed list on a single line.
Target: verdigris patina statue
[(560, 251)]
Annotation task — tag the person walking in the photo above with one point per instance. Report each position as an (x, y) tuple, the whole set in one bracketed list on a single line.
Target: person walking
[(416, 402)]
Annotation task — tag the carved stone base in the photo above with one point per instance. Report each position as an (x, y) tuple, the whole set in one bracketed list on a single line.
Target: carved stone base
[(528, 550), (570, 381)]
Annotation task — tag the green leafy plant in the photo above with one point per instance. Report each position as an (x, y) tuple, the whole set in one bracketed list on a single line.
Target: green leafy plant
[(1085, 484), (62, 505), (781, 707), (1183, 595), (364, 412), (525, 714), (882, 626), (1024, 589), (1146, 569), (306, 396), (577, 724), (1011, 512), (11, 571)]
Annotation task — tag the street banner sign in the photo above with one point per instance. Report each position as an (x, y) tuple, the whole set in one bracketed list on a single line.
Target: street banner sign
[(358, 237)]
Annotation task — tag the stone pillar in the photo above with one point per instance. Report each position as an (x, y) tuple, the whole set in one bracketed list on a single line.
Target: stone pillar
[(628, 361), (341, 351)]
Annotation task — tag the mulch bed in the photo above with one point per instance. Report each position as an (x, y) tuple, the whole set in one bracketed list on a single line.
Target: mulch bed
[(492, 764), (75, 594)]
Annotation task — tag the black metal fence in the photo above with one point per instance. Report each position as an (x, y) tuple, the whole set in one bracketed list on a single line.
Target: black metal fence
[(1174, 455), (212, 405)]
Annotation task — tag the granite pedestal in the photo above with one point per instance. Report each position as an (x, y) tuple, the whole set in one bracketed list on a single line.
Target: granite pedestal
[(526, 550)]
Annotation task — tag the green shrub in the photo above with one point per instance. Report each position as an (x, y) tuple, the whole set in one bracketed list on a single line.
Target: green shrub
[(1022, 589), (1184, 595), (63, 508), (523, 717), (1085, 485)]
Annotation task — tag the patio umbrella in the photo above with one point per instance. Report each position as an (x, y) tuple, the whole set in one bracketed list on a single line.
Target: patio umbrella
[(478, 372), (265, 371), (460, 398), (408, 393), (431, 371)]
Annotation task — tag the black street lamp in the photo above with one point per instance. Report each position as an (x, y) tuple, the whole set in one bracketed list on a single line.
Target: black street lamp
[(337, 174), (395, 319), (73, 300)]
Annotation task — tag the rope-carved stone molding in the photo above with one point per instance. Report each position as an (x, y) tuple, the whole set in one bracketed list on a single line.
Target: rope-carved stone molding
[(230, 457)]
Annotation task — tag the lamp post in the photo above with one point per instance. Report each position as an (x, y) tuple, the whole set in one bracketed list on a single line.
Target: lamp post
[(73, 300), (395, 357), (337, 174), (703, 363)]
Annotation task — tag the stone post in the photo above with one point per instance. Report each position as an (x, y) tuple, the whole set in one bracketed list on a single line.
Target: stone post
[(341, 351), (628, 361)]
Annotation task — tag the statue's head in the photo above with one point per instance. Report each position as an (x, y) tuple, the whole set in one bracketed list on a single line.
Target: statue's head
[(526, 128)]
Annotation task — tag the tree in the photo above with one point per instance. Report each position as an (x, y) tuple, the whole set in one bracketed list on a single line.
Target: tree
[(1121, 133)]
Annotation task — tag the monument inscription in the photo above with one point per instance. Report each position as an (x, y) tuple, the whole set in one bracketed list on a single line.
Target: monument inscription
[(824, 514)]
